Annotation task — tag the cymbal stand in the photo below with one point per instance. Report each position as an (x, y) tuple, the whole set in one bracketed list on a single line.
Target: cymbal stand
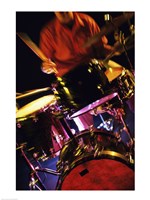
[(122, 41), (34, 172)]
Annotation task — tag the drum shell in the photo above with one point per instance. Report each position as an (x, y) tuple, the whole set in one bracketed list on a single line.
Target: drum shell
[(76, 165), (125, 84), (35, 132), (85, 83)]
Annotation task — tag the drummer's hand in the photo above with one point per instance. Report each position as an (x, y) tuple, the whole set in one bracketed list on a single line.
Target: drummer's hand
[(117, 48), (49, 67)]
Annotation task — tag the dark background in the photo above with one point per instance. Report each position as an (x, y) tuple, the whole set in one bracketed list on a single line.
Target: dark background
[(28, 73)]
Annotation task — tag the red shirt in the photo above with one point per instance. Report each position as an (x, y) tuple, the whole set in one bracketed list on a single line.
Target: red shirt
[(64, 46)]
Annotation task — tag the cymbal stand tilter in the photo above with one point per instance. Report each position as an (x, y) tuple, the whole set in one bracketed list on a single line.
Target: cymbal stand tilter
[(34, 176)]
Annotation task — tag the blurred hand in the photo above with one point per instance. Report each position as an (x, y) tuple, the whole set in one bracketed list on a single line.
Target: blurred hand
[(49, 67), (118, 48)]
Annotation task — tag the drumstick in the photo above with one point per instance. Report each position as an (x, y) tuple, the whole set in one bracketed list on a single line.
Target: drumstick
[(27, 40), (32, 92)]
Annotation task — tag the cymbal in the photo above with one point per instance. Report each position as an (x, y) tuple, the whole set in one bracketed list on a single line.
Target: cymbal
[(35, 106), (108, 28), (94, 105), (32, 92)]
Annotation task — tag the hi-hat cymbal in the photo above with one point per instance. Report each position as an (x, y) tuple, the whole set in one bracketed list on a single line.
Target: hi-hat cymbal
[(108, 28), (32, 92)]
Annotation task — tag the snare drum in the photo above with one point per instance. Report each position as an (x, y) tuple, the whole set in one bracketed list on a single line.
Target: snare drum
[(83, 85), (126, 84), (98, 162)]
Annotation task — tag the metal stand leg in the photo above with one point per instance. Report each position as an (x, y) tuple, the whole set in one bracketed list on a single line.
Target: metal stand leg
[(120, 116), (34, 172), (118, 113)]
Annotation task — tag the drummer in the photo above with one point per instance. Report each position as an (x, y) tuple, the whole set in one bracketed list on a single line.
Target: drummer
[(62, 41)]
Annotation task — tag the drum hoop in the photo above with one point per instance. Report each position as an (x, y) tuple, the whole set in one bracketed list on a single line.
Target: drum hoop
[(22, 119)]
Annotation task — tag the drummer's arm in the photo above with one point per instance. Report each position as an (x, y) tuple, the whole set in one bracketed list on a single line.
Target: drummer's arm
[(108, 49), (47, 66)]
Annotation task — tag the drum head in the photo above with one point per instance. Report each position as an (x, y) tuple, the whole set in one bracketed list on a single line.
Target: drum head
[(103, 174), (35, 106)]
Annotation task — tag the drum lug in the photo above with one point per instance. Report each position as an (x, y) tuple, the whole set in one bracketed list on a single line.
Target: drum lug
[(129, 157), (98, 152), (66, 166)]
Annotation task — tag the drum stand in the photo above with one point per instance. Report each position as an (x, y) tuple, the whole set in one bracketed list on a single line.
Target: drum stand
[(118, 114), (34, 172)]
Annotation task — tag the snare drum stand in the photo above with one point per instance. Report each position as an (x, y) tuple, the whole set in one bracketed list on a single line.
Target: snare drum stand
[(118, 114), (34, 172)]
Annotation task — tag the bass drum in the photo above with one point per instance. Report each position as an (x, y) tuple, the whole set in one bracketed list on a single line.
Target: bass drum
[(98, 162)]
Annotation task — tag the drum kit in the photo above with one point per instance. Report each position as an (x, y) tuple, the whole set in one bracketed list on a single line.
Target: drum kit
[(97, 87)]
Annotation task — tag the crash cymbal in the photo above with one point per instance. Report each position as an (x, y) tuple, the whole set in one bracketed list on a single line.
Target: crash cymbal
[(108, 28), (32, 92)]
